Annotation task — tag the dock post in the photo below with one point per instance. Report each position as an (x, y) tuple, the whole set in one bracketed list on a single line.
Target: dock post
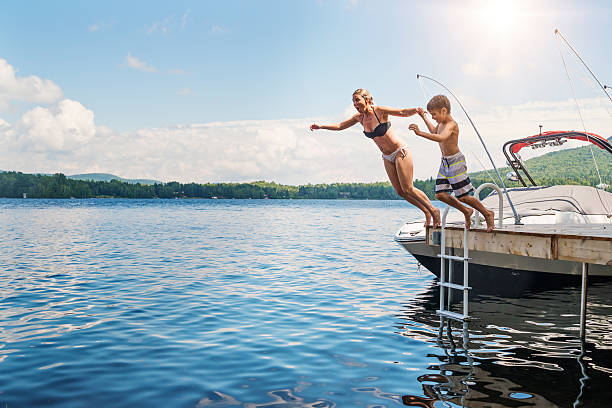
[(583, 300)]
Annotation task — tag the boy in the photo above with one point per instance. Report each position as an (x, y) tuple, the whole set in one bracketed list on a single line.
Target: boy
[(452, 175)]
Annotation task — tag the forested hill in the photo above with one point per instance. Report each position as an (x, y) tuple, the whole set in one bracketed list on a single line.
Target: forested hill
[(571, 166), (109, 177), (568, 166)]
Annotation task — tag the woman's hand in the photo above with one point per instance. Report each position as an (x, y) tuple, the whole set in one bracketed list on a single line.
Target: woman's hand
[(314, 126)]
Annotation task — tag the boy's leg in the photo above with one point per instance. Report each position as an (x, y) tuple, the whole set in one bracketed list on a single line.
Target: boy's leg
[(488, 215), (403, 166), (462, 187), (453, 202)]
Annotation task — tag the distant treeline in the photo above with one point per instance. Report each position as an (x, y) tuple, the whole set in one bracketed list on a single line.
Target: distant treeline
[(15, 184), (572, 166)]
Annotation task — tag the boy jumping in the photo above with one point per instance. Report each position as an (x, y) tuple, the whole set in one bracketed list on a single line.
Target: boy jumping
[(452, 176)]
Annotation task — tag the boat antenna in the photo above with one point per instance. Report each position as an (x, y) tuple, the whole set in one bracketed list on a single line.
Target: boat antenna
[(569, 78), (603, 87), (517, 218)]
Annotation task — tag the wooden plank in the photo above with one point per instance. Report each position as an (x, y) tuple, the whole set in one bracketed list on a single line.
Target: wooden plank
[(499, 242), (595, 251), (536, 243)]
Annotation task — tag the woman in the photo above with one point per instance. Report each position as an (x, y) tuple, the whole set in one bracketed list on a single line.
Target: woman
[(396, 155)]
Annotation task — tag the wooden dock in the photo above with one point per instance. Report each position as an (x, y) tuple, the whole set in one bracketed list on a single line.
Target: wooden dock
[(584, 243)]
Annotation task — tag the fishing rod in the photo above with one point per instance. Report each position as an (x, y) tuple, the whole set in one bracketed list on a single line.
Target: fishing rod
[(517, 218), (603, 87)]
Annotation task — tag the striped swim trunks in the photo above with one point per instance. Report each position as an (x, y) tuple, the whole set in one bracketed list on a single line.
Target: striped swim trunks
[(453, 176)]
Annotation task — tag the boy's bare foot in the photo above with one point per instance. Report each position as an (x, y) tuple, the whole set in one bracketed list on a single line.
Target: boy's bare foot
[(436, 218), (490, 219), (468, 217)]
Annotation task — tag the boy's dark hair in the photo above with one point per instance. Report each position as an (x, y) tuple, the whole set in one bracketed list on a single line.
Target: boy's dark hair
[(438, 102)]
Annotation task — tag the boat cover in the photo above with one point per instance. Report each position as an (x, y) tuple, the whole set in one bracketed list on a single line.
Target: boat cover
[(584, 200)]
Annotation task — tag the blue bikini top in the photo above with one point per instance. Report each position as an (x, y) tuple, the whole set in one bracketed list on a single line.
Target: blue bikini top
[(379, 130)]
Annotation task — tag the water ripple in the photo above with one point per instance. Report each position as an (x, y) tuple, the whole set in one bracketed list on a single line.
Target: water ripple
[(220, 303)]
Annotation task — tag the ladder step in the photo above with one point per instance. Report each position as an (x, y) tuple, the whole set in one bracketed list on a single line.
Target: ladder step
[(452, 315), (454, 286), (453, 257)]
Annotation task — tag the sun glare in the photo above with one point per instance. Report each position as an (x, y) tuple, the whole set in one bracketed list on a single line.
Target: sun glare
[(498, 15)]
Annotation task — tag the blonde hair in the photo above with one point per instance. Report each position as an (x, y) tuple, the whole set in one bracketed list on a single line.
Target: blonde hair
[(365, 95), (438, 102)]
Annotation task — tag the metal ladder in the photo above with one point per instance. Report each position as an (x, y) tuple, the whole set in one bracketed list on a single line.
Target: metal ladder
[(446, 286)]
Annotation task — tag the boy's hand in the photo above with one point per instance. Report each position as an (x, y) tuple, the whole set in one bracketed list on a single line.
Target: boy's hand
[(421, 112), (314, 126), (414, 128)]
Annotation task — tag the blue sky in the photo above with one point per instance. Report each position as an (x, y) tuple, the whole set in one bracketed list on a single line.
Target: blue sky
[(224, 91)]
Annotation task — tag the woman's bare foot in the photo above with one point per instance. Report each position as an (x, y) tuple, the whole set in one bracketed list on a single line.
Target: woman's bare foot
[(468, 217), (490, 219), (436, 217), (427, 220)]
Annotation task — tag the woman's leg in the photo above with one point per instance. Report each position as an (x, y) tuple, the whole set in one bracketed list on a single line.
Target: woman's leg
[(403, 166), (394, 179)]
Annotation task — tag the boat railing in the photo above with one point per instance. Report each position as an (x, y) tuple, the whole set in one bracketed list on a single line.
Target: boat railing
[(500, 219)]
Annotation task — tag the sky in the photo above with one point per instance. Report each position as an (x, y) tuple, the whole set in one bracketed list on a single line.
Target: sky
[(209, 91)]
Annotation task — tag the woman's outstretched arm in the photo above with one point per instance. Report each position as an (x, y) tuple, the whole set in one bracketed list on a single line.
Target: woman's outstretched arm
[(397, 112), (340, 126)]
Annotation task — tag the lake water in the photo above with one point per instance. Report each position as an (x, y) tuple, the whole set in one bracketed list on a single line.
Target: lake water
[(264, 303)]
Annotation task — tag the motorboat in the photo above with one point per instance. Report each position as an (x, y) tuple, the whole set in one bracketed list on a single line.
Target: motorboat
[(583, 210)]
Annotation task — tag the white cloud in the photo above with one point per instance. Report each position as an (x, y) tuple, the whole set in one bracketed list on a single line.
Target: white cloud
[(65, 138), (94, 27), (102, 25), (135, 63), (498, 124), (163, 27), (65, 128), (157, 26), (185, 91), (185, 19), (169, 24), (217, 29), (26, 89), (6, 133)]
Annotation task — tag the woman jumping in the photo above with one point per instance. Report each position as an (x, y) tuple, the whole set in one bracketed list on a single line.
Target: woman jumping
[(396, 155)]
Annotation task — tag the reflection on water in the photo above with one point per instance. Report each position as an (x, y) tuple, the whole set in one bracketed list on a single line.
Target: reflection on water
[(263, 303), (515, 352)]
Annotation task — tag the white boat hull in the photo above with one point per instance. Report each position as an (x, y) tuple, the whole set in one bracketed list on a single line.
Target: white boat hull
[(549, 207)]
